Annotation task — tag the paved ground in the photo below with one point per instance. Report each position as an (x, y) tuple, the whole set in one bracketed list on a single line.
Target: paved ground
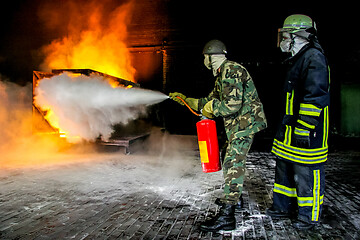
[(159, 192)]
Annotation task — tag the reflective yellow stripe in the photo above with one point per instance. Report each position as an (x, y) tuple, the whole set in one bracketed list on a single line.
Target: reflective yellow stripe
[(300, 155), (305, 201), (310, 110), (306, 124), (290, 192), (302, 132), (287, 136), (298, 159), (316, 194), (289, 103), (326, 127), (306, 152), (308, 201)]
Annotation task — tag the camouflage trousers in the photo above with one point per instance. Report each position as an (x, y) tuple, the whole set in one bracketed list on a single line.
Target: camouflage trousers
[(234, 166)]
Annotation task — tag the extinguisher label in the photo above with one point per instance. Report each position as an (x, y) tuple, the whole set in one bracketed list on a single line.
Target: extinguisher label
[(203, 152)]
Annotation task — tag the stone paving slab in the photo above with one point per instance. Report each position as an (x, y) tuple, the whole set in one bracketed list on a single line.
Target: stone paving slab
[(162, 195)]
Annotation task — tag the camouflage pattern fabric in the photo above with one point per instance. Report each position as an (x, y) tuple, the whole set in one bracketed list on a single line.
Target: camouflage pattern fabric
[(236, 100), (234, 168)]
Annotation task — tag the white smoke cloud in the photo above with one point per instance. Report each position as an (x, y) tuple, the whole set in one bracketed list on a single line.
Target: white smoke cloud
[(15, 109), (88, 106)]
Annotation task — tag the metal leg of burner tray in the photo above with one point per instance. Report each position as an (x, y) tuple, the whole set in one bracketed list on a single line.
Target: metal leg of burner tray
[(127, 150)]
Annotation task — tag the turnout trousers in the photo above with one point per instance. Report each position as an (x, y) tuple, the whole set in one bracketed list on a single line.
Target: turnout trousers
[(299, 188), (234, 168)]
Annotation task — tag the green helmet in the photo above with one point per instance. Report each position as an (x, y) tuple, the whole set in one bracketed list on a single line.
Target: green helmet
[(297, 22), (214, 47)]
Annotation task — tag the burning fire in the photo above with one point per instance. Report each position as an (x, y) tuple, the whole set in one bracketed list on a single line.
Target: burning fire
[(89, 34), (52, 118), (95, 37)]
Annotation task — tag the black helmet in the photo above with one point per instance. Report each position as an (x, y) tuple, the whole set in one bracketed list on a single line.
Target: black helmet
[(214, 47)]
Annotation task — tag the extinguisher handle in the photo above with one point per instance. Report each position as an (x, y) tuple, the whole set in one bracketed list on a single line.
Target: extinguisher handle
[(202, 117)]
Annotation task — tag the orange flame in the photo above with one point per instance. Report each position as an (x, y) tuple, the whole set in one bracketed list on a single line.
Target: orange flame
[(95, 38)]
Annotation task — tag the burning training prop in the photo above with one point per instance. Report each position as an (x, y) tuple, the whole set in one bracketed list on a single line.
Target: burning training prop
[(85, 107)]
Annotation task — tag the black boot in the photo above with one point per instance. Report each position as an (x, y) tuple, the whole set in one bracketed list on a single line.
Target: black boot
[(274, 213), (238, 206), (223, 220), (301, 225)]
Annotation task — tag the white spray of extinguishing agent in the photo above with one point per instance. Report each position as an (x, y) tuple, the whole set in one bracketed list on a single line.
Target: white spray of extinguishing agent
[(208, 142)]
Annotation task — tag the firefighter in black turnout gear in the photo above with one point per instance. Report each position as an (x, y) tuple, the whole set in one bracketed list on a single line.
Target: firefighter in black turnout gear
[(301, 142)]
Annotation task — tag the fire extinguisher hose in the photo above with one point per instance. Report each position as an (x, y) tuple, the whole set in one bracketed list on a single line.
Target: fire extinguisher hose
[(187, 105)]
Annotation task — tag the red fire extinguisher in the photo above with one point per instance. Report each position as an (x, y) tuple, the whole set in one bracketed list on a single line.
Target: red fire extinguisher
[(208, 143)]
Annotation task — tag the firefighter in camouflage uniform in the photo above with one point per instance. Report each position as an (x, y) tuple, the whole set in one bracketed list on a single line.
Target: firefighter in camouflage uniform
[(301, 143), (235, 99)]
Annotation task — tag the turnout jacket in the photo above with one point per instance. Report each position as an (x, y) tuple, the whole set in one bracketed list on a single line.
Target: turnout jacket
[(306, 108), (236, 100)]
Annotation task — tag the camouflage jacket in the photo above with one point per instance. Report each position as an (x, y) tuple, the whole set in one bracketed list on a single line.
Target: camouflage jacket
[(236, 100)]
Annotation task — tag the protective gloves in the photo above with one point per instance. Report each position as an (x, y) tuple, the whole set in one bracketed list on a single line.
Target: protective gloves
[(174, 96), (207, 111), (192, 102)]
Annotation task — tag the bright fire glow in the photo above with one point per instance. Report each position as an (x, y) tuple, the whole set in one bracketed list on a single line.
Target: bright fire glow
[(54, 120), (95, 38), (19, 147)]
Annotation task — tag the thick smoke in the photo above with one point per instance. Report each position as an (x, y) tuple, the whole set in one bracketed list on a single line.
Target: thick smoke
[(15, 111), (88, 107), (18, 144)]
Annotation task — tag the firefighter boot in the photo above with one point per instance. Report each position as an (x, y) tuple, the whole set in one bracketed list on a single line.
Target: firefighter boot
[(274, 213), (301, 225), (223, 220)]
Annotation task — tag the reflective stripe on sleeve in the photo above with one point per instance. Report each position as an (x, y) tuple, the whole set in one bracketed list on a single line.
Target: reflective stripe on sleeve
[(309, 110)]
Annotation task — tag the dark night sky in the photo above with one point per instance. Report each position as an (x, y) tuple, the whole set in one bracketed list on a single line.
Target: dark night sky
[(248, 29)]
